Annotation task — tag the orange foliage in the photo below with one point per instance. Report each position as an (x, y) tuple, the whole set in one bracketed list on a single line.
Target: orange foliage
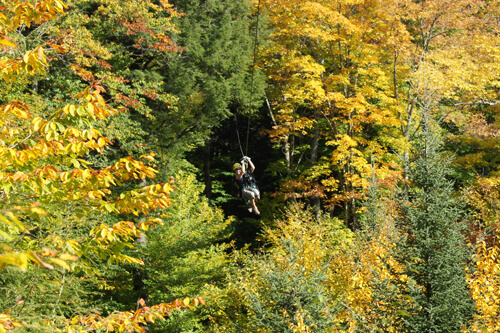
[(128, 321)]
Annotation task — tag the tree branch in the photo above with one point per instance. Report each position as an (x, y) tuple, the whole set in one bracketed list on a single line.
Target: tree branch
[(479, 102)]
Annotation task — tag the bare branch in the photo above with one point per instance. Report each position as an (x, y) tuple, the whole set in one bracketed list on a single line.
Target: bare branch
[(479, 102)]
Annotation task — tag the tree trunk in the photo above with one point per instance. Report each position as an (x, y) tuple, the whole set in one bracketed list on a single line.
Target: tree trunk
[(292, 154), (207, 158), (316, 202)]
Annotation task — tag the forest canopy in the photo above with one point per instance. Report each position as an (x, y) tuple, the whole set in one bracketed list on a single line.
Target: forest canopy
[(373, 127)]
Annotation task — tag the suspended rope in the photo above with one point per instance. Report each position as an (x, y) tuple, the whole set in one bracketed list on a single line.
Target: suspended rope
[(251, 87), (248, 132), (246, 181), (256, 38), (238, 134)]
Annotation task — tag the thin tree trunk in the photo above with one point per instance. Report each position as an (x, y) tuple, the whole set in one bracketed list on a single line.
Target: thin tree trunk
[(292, 151), (207, 158), (286, 151), (316, 202)]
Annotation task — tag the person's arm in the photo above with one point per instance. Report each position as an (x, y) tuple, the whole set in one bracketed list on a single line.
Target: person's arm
[(250, 163)]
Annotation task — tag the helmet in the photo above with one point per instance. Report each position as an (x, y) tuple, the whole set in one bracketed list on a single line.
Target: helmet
[(236, 166)]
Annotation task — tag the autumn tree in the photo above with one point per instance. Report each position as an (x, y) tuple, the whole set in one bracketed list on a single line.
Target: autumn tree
[(346, 79), (290, 286), (60, 214), (332, 95), (484, 283)]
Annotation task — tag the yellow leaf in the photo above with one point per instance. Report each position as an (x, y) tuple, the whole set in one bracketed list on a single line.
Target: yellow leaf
[(61, 263), (101, 142), (16, 259), (6, 42), (37, 123), (67, 256)]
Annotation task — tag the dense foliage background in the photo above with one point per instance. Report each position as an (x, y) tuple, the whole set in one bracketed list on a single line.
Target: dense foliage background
[(374, 126)]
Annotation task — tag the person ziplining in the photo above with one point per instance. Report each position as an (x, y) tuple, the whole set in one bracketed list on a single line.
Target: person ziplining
[(246, 180), (247, 183)]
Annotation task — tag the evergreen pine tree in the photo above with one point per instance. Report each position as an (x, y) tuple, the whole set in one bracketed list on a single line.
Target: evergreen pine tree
[(214, 71), (433, 252), (427, 288)]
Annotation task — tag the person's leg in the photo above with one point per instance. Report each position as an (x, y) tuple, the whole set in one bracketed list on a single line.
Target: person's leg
[(257, 193), (250, 195), (254, 207), (257, 197)]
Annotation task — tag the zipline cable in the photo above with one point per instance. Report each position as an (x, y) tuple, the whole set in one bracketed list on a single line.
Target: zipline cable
[(256, 38), (251, 86), (248, 132), (238, 133)]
